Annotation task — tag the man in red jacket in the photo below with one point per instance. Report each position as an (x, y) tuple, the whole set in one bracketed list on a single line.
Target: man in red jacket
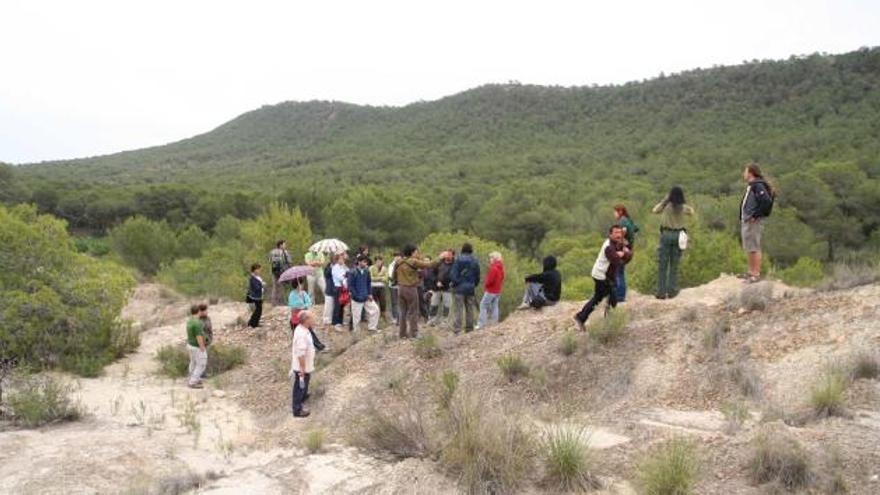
[(492, 290)]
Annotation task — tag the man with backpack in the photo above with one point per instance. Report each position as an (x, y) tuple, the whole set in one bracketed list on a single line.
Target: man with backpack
[(757, 204), (279, 261), (465, 276)]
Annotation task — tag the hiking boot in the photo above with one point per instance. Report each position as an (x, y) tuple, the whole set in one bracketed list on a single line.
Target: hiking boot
[(660, 296), (302, 414), (522, 307), (579, 324), (196, 385), (671, 295)]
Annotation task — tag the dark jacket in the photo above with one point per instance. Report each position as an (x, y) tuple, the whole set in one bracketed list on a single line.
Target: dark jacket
[(615, 262), (359, 284), (550, 279), (429, 279), (465, 275), (443, 273), (750, 206), (329, 287), (255, 288)]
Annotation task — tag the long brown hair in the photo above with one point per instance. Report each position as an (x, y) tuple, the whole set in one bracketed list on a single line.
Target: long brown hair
[(755, 169)]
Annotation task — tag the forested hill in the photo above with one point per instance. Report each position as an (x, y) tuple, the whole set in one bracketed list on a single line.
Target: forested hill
[(549, 151)]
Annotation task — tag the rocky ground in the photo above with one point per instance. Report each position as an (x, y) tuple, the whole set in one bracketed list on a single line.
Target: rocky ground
[(667, 376)]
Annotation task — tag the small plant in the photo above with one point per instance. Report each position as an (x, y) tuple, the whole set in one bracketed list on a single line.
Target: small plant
[(777, 457), (670, 469), (174, 360), (189, 417), (756, 297), (847, 276), (428, 347), (512, 366), (865, 364), (569, 344), (610, 328), (828, 396), (447, 385), (398, 429), (314, 441), (183, 483), (747, 379), (38, 400), (716, 335), (567, 460), (690, 314), (736, 413)]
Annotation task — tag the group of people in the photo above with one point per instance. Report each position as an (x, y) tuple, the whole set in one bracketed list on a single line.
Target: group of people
[(413, 287)]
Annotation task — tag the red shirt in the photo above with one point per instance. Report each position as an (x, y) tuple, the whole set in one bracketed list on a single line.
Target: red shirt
[(495, 278)]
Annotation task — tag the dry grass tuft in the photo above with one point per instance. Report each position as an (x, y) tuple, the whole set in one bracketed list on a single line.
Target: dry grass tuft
[(865, 365), (828, 396), (428, 346), (780, 458), (609, 329), (512, 366), (567, 460), (37, 400), (397, 428), (670, 469), (569, 344), (314, 441), (847, 276), (747, 379)]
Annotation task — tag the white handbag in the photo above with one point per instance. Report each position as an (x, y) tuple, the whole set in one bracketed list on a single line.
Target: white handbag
[(682, 240)]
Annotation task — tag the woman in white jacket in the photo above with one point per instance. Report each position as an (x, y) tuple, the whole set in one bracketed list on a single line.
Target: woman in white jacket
[(302, 362)]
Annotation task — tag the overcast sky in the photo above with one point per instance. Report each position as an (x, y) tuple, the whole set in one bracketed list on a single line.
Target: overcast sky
[(80, 78)]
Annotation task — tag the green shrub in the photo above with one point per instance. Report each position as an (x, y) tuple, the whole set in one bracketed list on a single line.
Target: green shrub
[(174, 359), (144, 244), (670, 469), (314, 441), (39, 399), (569, 344), (567, 460), (223, 357), (780, 458), (828, 396), (512, 366), (93, 246), (865, 364), (807, 272), (191, 241), (428, 346), (447, 385), (610, 328)]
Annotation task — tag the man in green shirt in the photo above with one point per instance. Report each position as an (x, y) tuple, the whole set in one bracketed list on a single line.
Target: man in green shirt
[(195, 342)]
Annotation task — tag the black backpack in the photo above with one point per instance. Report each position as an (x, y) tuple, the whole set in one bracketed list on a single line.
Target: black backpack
[(765, 198)]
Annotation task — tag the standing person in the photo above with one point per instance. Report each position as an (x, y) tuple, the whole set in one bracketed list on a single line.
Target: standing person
[(256, 289), (427, 277), (338, 274), (543, 289), (613, 255), (379, 278), (298, 301), (197, 346), (392, 286), (406, 273), (630, 229), (302, 363), (330, 293), (465, 277), (673, 223), (441, 299), (316, 260), (492, 291), (279, 259), (364, 251), (757, 203), (360, 285), (207, 328)]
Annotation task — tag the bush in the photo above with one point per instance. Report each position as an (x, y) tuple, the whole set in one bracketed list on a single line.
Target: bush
[(512, 366), (490, 454), (610, 328), (174, 359), (670, 469), (779, 458), (428, 346), (314, 441), (807, 272), (93, 246), (847, 276), (828, 396), (569, 344), (865, 364), (144, 244), (754, 297), (567, 460), (715, 336), (395, 428), (747, 378), (39, 399), (447, 385), (735, 413)]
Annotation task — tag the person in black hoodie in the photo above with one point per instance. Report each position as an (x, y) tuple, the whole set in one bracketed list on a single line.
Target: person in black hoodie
[(255, 295), (545, 288)]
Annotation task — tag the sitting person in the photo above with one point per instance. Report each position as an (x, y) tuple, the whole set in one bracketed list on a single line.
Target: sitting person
[(545, 288)]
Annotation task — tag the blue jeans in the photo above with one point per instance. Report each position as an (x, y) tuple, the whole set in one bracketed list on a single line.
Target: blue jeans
[(621, 283), (489, 308)]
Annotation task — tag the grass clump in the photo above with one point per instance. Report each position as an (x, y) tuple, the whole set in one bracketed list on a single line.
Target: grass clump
[(744, 375), (489, 453), (396, 429), (827, 397), (779, 458), (756, 297), (174, 359), (865, 364), (314, 441), (428, 346), (179, 484), (447, 385), (38, 400), (716, 335), (567, 460), (610, 328), (670, 469), (849, 275), (569, 344), (735, 413), (512, 366)]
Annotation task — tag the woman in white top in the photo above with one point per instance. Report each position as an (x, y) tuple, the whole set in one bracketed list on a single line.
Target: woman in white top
[(302, 362)]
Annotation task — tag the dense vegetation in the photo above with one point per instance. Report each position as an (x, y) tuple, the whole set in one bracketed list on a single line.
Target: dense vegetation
[(535, 169), (58, 307)]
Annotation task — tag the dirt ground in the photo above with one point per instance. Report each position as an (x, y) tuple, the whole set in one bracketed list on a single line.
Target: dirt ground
[(659, 381)]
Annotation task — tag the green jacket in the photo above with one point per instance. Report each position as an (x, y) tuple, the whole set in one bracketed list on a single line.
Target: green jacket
[(407, 271)]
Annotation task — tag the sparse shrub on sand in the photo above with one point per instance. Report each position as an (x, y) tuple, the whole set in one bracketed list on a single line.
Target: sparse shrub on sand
[(174, 359), (865, 365), (610, 328), (754, 297), (314, 441), (512, 366), (397, 428), (568, 344), (746, 378), (690, 314), (847, 276), (827, 397), (179, 484), (735, 413), (670, 469), (36, 400), (567, 459), (447, 384), (715, 335), (428, 346), (780, 458)]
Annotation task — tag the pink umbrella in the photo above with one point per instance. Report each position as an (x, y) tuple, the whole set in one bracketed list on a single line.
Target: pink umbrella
[(296, 272)]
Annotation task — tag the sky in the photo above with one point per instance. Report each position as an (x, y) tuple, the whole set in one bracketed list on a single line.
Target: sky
[(93, 77)]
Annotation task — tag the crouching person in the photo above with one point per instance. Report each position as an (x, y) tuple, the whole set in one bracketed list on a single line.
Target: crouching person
[(302, 362), (197, 345)]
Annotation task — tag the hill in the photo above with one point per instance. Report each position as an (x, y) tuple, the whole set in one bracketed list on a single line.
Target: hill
[(812, 122)]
